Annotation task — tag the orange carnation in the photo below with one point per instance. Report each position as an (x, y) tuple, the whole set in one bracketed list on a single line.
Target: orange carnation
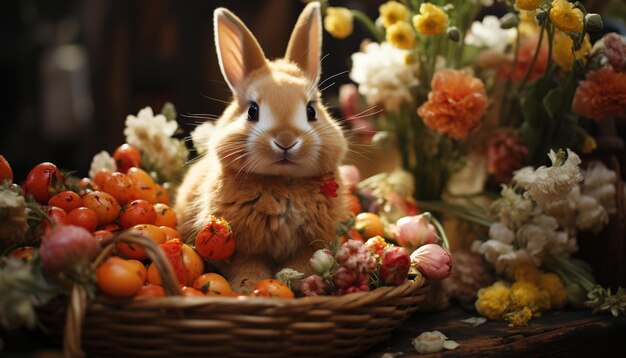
[(602, 94), (455, 104)]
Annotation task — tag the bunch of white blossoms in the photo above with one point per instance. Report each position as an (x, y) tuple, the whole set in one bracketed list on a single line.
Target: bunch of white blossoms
[(383, 75), (546, 216), (153, 135)]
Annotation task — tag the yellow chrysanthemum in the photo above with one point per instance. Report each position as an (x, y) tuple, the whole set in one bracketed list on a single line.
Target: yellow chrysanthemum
[(527, 4), (493, 301), (562, 50), (392, 12), (526, 294), (528, 273), (589, 145), (401, 35), (519, 318), (338, 22), (566, 17), (432, 20), (554, 286)]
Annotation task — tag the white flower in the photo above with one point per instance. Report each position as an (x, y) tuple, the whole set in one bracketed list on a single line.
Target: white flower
[(432, 342), (11, 200), (153, 136), (201, 135), (599, 182), (546, 184), (512, 209), (499, 232), (102, 160), (492, 250), (564, 210), (591, 216), (13, 215), (508, 262), (383, 76), (488, 33)]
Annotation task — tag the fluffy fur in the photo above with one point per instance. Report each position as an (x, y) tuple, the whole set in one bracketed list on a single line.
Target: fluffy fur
[(270, 195)]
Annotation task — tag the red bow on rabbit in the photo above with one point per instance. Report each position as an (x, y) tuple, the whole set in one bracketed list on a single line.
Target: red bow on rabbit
[(274, 146)]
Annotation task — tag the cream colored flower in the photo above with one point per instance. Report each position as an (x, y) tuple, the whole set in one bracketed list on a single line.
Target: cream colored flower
[(432, 342), (13, 215), (591, 216), (153, 136), (201, 135), (564, 210), (599, 183), (102, 160), (382, 75), (488, 33), (546, 184), (512, 209), (339, 22), (499, 232)]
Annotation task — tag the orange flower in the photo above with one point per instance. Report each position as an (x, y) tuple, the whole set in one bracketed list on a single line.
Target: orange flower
[(455, 104), (602, 94), (525, 54)]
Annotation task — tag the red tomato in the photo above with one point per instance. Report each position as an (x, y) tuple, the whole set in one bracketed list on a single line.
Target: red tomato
[(126, 157), (5, 170), (102, 235), (83, 217), (86, 185), (112, 227), (137, 212), (215, 241), (58, 217), (101, 177), (43, 181), (66, 200)]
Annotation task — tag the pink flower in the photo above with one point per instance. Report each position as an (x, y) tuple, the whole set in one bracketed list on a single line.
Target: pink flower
[(349, 281), (415, 231), (505, 154), (433, 261), (348, 99), (395, 266), (350, 176), (615, 51), (314, 285), (354, 255)]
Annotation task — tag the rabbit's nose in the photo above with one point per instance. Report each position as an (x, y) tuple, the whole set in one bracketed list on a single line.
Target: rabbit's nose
[(286, 147)]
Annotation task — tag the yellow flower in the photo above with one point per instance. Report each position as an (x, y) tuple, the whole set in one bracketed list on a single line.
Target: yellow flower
[(565, 17), (432, 20), (554, 286), (589, 145), (562, 50), (401, 35), (338, 22), (527, 4), (526, 294), (493, 301), (392, 12), (519, 318), (528, 273)]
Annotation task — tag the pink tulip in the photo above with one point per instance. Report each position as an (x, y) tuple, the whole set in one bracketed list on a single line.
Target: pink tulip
[(395, 266), (415, 231), (433, 261)]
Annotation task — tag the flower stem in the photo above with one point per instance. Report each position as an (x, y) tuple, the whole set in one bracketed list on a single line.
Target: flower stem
[(368, 24), (442, 232), (532, 62)]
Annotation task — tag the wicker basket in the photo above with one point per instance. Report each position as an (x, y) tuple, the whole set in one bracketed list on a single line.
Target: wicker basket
[(175, 326)]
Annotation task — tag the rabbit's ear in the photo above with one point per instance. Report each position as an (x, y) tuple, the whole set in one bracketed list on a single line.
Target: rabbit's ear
[(238, 52), (306, 41)]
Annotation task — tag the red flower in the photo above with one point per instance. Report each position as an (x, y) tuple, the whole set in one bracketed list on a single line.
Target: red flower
[(602, 94), (395, 266), (329, 186), (505, 153)]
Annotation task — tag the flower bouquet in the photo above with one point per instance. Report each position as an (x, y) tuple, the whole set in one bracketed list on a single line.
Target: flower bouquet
[(474, 104)]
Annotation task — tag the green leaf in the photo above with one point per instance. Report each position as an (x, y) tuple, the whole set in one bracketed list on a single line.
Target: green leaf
[(553, 102)]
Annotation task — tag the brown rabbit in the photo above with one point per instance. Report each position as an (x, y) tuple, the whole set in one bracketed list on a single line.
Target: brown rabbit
[(274, 149)]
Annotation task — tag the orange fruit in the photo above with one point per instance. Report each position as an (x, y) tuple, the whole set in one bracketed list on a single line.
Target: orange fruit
[(66, 200), (134, 251), (369, 225), (215, 240), (137, 212), (272, 288), (83, 217), (105, 206), (150, 291), (193, 263), (213, 284), (165, 215), (126, 156), (120, 278)]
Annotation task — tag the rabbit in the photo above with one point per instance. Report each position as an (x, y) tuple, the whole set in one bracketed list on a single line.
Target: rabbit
[(274, 151)]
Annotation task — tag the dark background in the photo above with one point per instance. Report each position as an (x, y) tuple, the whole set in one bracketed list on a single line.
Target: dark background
[(72, 70)]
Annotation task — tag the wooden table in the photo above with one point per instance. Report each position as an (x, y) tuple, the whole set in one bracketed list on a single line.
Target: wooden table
[(568, 333)]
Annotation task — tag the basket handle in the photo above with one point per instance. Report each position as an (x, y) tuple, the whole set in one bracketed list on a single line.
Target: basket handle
[(72, 337)]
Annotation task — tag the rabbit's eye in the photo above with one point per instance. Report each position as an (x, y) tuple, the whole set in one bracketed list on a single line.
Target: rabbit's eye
[(253, 112), (310, 112)]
